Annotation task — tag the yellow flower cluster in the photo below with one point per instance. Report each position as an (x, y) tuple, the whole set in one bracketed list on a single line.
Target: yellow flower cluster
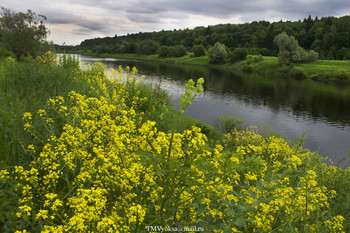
[(108, 170), (47, 58), (10, 59)]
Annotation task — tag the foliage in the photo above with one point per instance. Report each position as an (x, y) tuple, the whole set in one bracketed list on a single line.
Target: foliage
[(68, 61), (173, 51), (148, 47), (164, 51), (22, 33), (130, 47), (290, 51), (94, 164), (297, 73), (217, 54), (178, 51), (5, 54), (327, 36), (198, 50), (239, 54), (254, 59)]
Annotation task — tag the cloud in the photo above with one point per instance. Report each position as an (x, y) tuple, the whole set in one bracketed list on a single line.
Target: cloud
[(84, 22), (88, 18)]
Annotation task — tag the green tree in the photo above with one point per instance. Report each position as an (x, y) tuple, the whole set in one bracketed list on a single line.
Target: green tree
[(198, 50), (177, 51), (164, 51), (148, 47), (217, 53), (239, 54), (290, 51), (22, 33)]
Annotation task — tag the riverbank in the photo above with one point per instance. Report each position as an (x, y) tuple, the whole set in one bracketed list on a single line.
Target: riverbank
[(321, 70), (96, 158)]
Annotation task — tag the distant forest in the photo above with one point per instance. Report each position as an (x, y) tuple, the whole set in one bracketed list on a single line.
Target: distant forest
[(329, 36)]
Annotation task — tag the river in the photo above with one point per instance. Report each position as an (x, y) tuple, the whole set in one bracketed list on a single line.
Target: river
[(292, 107)]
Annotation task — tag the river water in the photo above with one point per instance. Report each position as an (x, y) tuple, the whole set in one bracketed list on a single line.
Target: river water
[(292, 107)]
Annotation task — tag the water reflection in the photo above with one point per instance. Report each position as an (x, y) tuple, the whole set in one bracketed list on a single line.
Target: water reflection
[(291, 106)]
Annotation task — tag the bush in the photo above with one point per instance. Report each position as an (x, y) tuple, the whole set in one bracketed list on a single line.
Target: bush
[(129, 48), (148, 47), (217, 54), (177, 51), (297, 73), (343, 74), (247, 68), (266, 52), (174, 51), (5, 53), (239, 54), (254, 59), (198, 50), (164, 51), (309, 56)]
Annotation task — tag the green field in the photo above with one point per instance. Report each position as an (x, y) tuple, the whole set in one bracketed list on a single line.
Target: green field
[(323, 70)]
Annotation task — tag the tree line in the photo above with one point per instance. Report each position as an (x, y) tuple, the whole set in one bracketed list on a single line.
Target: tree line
[(328, 36)]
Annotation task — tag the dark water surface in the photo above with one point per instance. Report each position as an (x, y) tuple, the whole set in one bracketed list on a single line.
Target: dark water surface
[(292, 107)]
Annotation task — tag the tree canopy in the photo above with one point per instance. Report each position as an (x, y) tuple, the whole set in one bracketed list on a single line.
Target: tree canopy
[(217, 53), (291, 52), (22, 33), (328, 36)]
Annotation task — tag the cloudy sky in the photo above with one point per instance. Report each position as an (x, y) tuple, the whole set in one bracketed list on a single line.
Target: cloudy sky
[(72, 21)]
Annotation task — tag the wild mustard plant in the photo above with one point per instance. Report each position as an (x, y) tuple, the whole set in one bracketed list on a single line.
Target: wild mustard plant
[(104, 168)]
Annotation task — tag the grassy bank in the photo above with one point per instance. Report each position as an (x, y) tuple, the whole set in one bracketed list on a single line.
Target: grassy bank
[(322, 70), (101, 154)]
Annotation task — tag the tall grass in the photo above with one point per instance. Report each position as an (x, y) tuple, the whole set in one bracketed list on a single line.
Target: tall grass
[(26, 87)]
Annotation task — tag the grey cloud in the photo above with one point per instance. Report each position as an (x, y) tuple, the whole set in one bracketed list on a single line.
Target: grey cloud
[(146, 10), (100, 25), (253, 8), (154, 11), (123, 16), (143, 18)]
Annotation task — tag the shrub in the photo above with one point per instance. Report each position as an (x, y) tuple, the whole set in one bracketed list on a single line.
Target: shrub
[(174, 51), (5, 53), (247, 68), (266, 52), (297, 73), (254, 59), (343, 74), (239, 54), (148, 47), (129, 48), (164, 51), (309, 56), (217, 54), (198, 50), (177, 51)]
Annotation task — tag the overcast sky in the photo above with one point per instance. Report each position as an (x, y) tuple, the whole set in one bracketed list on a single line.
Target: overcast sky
[(72, 21)]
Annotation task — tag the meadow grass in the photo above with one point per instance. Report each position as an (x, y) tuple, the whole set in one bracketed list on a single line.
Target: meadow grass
[(323, 70)]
